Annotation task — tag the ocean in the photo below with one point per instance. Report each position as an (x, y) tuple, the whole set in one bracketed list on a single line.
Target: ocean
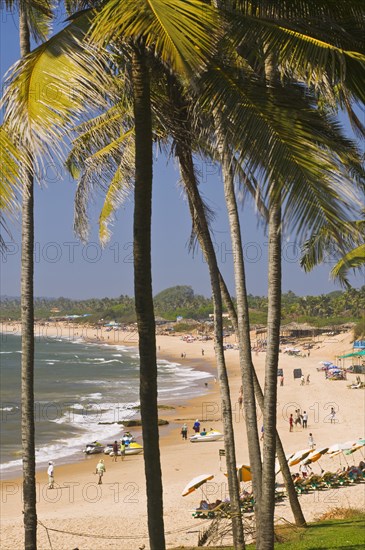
[(78, 385)]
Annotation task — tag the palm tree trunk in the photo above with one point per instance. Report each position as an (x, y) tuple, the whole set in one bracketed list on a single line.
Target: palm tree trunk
[(202, 230), (288, 481), (243, 334), (181, 130), (144, 297), (271, 370), (27, 323)]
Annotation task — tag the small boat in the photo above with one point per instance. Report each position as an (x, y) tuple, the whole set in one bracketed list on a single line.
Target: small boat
[(131, 449), (212, 435), (93, 448)]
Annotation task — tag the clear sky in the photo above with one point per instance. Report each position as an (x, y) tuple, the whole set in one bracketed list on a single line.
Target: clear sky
[(66, 267)]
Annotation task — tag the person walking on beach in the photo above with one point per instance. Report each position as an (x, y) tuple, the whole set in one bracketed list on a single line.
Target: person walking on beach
[(115, 451), (50, 473), (302, 380), (122, 449), (202, 352), (281, 380), (100, 469), (305, 419), (308, 378), (298, 417), (333, 416), (184, 431), (291, 422), (311, 443)]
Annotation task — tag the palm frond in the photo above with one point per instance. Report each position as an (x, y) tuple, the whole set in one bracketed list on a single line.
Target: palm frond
[(181, 33), (11, 159), (354, 259), (312, 43), (53, 85), (279, 135)]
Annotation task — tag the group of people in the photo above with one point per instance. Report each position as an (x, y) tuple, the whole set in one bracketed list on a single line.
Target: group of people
[(300, 418), (196, 428), (119, 447), (304, 381)]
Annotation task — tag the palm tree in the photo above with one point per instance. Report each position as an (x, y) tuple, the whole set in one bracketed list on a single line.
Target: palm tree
[(180, 37), (183, 150), (276, 35), (34, 18)]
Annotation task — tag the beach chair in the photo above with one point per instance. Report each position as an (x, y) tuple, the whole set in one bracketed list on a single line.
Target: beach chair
[(301, 486), (213, 510), (330, 479)]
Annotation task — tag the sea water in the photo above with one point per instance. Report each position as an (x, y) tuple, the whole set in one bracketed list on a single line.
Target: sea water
[(78, 387)]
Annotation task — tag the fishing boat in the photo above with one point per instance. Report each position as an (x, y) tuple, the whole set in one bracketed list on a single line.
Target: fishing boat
[(212, 435)]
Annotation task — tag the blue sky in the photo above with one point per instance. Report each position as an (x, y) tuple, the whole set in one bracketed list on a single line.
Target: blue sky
[(66, 267)]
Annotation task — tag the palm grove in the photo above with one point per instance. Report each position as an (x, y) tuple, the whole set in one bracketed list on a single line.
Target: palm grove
[(253, 86)]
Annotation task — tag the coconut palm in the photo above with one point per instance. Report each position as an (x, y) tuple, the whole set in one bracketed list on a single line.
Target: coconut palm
[(179, 36), (174, 120), (249, 147), (267, 508), (34, 19)]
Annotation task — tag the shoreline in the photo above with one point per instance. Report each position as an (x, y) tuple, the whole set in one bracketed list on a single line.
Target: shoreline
[(118, 507), (198, 364)]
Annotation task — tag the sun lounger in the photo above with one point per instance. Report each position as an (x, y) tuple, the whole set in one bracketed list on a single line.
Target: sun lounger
[(221, 509)]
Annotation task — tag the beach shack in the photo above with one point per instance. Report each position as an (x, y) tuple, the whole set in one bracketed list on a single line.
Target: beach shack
[(359, 345)]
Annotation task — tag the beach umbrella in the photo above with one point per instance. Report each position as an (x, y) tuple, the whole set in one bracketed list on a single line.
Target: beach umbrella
[(298, 456), (314, 456), (243, 472), (325, 363), (353, 449), (337, 450), (195, 483)]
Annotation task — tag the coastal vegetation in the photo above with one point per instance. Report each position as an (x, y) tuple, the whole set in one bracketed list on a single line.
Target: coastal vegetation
[(261, 104), (332, 309), (341, 533)]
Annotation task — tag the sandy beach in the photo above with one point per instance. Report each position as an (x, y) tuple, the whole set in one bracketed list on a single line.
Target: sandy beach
[(114, 514)]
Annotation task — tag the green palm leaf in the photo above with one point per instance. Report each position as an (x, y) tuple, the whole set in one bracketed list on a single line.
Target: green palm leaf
[(181, 32), (354, 259), (54, 84), (10, 173)]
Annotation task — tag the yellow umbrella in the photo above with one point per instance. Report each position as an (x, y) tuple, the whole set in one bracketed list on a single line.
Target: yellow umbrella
[(243, 472), (195, 483)]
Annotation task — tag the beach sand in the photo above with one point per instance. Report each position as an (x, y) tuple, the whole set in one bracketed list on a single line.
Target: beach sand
[(114, 514)]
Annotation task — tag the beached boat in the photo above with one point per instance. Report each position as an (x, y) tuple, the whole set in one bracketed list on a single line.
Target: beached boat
[(93, 448), (131, 449), (212, 435)]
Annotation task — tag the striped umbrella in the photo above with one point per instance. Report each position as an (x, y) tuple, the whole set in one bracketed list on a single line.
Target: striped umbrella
[(195, 483), (299, 456)]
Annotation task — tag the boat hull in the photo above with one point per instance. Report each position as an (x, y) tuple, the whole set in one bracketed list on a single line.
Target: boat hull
[(213, 436)]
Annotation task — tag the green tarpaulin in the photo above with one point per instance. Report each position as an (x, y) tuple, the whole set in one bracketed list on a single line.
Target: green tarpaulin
[(355, 354)]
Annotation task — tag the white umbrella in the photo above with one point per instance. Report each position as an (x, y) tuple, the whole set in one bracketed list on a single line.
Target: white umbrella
[(298, 456), (314, 456), (196, 483)]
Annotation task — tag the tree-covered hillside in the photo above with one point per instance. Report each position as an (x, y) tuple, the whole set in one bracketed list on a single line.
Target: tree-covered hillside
[(327, 309)]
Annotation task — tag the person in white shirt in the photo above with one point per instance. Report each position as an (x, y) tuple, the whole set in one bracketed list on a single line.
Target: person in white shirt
[(50, 473), (311, 443), (305, 419)]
